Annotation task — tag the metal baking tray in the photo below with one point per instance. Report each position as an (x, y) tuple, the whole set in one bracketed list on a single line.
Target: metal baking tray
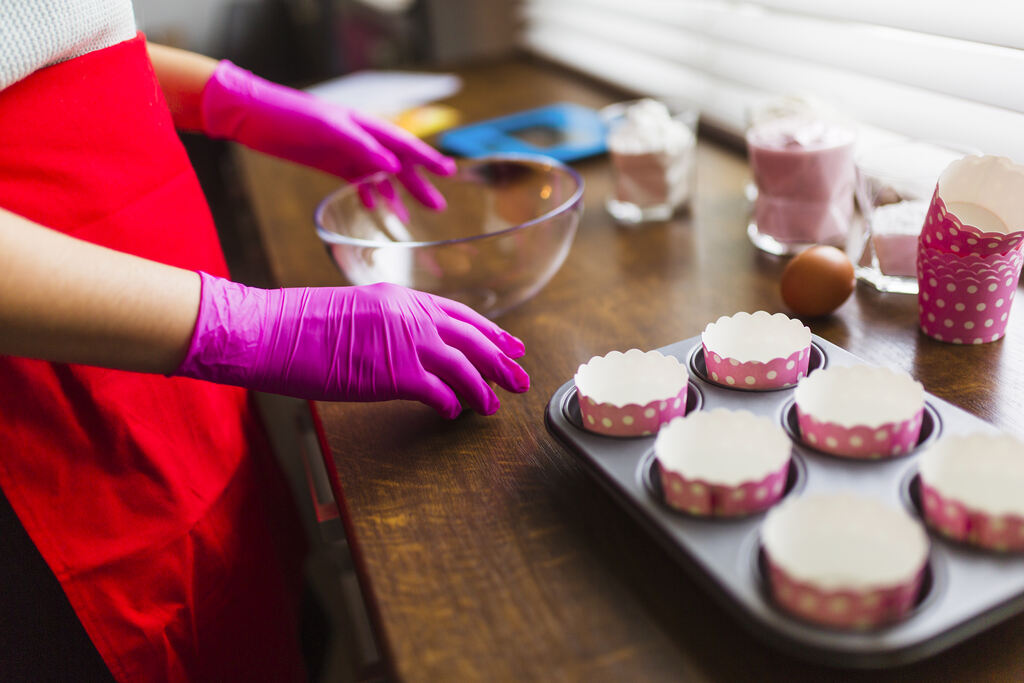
[(966, 590)]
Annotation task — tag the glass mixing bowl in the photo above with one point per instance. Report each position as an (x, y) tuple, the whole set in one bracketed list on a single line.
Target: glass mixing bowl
[(508, 227)]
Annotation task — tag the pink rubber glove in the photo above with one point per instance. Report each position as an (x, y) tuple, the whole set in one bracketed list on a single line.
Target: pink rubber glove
[(370, 343), (293, 125)]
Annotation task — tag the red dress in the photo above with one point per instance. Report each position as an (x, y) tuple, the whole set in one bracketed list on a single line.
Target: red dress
[(152, 499)]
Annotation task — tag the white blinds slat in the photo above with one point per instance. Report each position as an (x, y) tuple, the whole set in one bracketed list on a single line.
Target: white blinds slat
[(697, 32), (725, 93), (997, 22), (992, 22)]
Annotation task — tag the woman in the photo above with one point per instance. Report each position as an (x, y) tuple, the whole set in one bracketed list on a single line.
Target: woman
[(147, 534)]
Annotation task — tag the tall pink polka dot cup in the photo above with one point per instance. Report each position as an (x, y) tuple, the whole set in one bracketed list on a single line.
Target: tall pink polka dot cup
[(970, 250), (632, 393), (722, 463), (971, 490), (977, 208), (966, 299), (844, 561), (860, 411), (756, 351)]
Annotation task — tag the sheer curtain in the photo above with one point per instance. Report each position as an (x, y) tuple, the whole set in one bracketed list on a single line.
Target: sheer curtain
[(948, 70)]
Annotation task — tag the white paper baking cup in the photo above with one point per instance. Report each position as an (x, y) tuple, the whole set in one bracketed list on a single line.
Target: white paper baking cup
[(860, 411), (756, 350), (722, 462), (972, 489), (632, 393), (977, 208), (844, 560)]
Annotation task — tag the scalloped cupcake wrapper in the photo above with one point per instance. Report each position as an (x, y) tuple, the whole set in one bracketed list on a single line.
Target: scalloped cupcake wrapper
[(631, 419), (1007, 274), (981, 266), (1002, 533), (845, 609), (962, 309), (776, 373), (705, 499), (860, 441), (944, 231)]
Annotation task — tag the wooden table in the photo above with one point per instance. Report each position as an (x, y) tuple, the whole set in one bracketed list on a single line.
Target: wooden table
[(484, 549)]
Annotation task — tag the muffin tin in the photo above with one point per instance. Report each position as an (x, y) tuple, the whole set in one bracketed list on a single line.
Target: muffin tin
[(965, 590)]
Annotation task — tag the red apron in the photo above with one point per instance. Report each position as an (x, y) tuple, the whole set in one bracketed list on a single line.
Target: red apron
[(152, 499)]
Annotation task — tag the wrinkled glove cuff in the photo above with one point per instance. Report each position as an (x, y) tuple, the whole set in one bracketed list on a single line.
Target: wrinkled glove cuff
[(226, 342)]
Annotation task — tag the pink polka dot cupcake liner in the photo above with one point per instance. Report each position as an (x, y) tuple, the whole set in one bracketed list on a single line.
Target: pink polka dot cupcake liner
[(706, 499), (843, 609), (887, 440), (822, 567), (970, 490), (631, 394), (775, 374), (942, 230), (942, 262), (977, 208), (965, 305), (860, 411), (756, 351), (1003, 533), (631, 419), (722, 463)]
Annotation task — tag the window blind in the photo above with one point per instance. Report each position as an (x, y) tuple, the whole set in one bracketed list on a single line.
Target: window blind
[(944, 70)]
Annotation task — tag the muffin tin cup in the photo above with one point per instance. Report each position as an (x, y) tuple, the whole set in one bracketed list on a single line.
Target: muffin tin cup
[(722, 463), (1001, 533), (861, 441), (844, 560), (775, 374), (969, 489), (699, 369), (843, 411), (632, 419), (843, 609), (658, 383), (702, 498), (732, 360)]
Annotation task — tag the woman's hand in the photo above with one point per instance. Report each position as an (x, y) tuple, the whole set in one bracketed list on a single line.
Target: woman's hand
[(299, 127), (370, 343)]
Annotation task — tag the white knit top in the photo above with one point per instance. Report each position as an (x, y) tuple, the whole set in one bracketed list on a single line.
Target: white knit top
[(38, 33)]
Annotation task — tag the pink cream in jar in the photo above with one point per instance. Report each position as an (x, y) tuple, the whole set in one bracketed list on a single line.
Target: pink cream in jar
[(804, 172)]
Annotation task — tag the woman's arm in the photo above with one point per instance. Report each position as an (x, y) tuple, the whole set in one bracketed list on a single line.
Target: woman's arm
[(62, 299), (182, 76), (223, 101)]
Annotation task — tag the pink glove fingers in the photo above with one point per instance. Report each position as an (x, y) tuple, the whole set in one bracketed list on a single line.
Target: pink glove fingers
[(366, 195), (353, 146), (299, 127), (424, 192), (455, 370), (430, 390), (407, 146), (482, 353), (394, 202), (371, 343), (510, 345)]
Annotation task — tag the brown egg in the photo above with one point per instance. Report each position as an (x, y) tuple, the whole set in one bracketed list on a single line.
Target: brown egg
[(817, 281)]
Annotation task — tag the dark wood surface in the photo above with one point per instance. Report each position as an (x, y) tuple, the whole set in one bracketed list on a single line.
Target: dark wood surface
[(486, 551)]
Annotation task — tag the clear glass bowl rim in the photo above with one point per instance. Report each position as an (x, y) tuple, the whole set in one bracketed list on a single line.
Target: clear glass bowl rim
[(334, 238)]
